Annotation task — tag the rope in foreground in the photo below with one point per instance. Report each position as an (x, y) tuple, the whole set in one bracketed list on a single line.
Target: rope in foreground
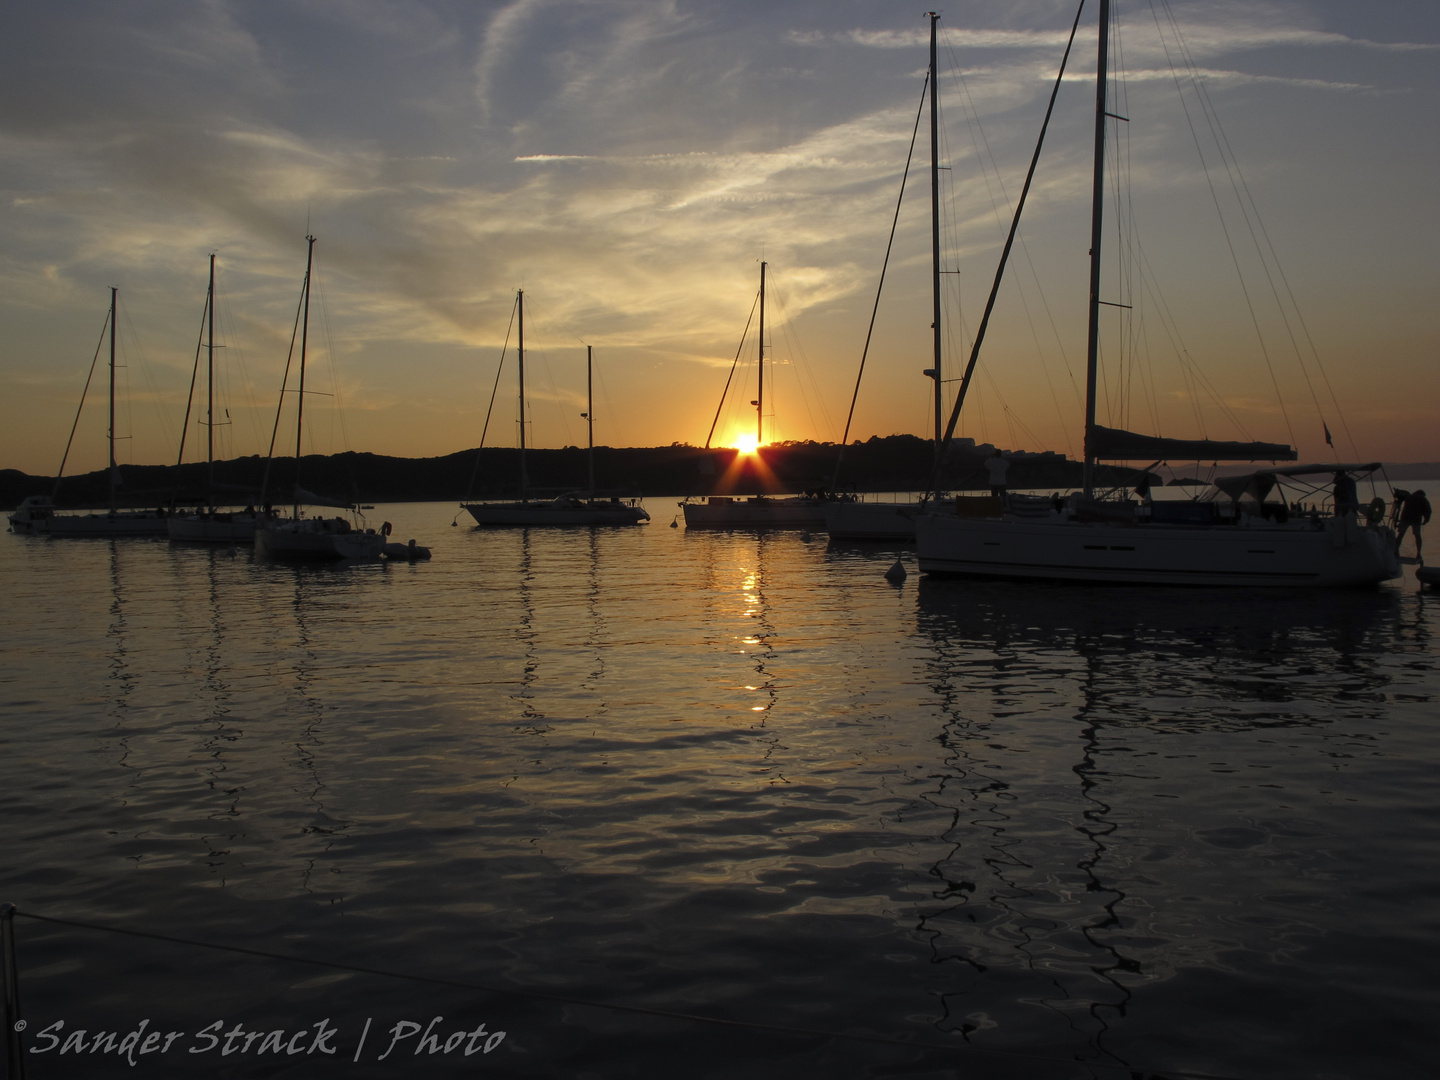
[(636, 1010)]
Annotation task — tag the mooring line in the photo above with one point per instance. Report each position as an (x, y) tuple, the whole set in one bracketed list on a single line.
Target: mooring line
[(639, 1010)]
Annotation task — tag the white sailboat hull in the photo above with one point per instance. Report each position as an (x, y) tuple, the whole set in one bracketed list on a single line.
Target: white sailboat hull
[(218, 529), (871, 521), (572, 513), (317, 538), (1327, 552), (759, 512), (121, 523)]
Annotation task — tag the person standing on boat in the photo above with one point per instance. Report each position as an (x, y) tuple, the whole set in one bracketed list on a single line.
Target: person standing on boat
[(998, 467), (1414, 512), (1347, 500)]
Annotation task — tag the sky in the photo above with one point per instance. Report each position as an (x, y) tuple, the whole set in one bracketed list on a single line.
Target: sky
[(1270, 248)]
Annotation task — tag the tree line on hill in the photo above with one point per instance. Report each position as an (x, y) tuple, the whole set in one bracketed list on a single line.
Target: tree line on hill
[(891, 463)]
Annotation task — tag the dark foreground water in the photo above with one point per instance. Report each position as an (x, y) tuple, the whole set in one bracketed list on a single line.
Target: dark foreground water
[(935, 830)]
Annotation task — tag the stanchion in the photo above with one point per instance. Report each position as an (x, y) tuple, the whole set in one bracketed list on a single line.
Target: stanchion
[(14, 1024)]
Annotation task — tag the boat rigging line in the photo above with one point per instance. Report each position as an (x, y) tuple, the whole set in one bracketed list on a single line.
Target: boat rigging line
[(931, 486), (984, 153), (475, 469), (1253, 220), (79, 408), (884, 265), (733, 364), (207, 315), (284, 382)]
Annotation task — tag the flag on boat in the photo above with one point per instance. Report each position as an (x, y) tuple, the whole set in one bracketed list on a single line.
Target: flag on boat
[(1328, 441)]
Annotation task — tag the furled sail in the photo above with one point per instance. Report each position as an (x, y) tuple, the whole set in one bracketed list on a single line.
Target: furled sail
[(1112, 444)]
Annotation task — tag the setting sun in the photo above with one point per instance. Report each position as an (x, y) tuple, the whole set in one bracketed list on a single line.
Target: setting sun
[(746, 444)]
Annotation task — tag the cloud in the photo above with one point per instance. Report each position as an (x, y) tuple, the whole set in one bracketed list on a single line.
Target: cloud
[(501, 35), (957, 39), (1216, 75), (1247, 28)]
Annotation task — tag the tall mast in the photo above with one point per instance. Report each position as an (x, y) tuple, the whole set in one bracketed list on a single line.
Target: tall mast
[(210, 383), (113, 292), (590, 411), (520, 352), (304, 337), (1097, 206), (760, 369), (935, 236)]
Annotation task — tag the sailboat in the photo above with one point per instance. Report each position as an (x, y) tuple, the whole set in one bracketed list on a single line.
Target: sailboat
[(212, 525), (857, 520), (1237, 538), (116, 522), (300, 537), (573, 509), (32, 515), (757, 511)]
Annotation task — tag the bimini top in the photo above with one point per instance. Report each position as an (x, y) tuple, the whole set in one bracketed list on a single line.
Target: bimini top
[(1316, 470), (1260, 482)]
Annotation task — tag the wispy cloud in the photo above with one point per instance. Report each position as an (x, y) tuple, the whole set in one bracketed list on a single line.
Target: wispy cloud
[(1204, 37), (1220, 76), (501, 34)]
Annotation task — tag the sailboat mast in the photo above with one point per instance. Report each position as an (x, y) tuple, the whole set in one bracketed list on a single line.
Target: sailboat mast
[(590, 411), (304, 337), (935, 235), (1097, 207), (520, 353), (113, 293), (210, 385), (760, 370)]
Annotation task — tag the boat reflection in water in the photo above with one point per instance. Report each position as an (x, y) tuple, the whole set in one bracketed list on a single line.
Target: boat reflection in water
[(1144, 804)]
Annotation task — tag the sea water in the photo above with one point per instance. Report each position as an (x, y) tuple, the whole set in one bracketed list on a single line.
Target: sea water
[(660, 803)]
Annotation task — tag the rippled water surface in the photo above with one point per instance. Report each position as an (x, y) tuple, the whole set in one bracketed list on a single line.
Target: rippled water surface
[(937, 829)]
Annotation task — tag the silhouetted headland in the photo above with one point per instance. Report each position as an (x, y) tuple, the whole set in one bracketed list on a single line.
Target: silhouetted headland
[(890, 464)]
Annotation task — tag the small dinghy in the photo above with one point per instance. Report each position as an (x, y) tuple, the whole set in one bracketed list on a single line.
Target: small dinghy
[(408, 552)]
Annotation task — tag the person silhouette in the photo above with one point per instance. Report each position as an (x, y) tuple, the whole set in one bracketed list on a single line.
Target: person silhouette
[(998, 467), (1414, 512)]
